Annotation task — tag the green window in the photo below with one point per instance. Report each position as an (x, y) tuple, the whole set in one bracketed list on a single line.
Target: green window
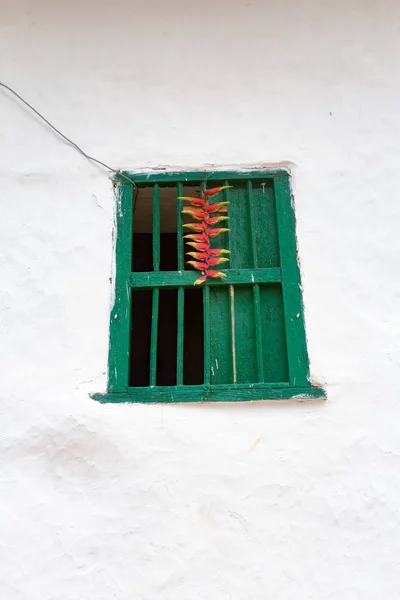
[(236, 339)]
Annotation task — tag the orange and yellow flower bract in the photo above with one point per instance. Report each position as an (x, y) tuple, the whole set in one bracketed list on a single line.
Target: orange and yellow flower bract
[(205, 256), (217, 207)]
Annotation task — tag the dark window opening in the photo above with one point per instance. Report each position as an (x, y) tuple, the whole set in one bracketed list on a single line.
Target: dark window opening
[(143, 252), (193, 342), (140, 338), (142, 261)]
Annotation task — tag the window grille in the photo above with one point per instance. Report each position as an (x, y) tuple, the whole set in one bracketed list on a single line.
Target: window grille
[(237, 339)]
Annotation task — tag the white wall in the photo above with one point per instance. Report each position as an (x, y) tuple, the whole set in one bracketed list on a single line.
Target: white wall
[(199, 502)]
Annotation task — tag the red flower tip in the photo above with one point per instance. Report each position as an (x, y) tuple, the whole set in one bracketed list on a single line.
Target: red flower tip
[(200, 247), (197, 237), (217, 207), (215, 274), (216, 231), (218, 251), (198, 255), (200, 280), (216, 261), (200, 266), (194, 201), (196, 226), (215, 220), (215, 191), (196, 213)]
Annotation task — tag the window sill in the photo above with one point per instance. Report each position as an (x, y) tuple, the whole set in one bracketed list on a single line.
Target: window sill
[(215, 393)]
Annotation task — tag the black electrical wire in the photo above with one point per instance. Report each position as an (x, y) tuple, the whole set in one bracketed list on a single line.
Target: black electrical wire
[(92, 158)]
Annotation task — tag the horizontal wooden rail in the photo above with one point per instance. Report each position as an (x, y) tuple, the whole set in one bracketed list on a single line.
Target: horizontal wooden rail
[(215, 393), (172, 279), (150, 177)]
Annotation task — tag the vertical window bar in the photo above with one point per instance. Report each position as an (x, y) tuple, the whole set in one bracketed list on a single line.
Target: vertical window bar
[(251, 223), (156, 227), (226, 199), (259, 346), (206, 318), (291, 286), (156, 293), (181, 294), (233, 332), (256, 287), (180, 339), (120, 330), (231, 296), (179, 208), (206, 323), (154, 333)]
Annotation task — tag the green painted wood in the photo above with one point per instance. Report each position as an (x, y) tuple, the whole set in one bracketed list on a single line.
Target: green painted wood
[(206, 321), (180, 234), (246, 352), (232, 332), (180, 336), (217, 393), (291, 285), (120, 317), (220, 344), (264, 224), (154, 336), (256, 289), (273, 334), (259, 332), (240, 234), (250, 222), (187, 278), (156, 227), (166, 177)]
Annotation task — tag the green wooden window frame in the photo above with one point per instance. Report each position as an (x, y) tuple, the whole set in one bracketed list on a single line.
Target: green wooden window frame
[(227, 342)]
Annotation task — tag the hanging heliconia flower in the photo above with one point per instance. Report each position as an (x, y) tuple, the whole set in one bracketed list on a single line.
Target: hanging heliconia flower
[(206, 257)]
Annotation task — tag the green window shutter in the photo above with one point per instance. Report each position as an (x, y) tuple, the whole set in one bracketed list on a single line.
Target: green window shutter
[(118, 355), (253, 325)]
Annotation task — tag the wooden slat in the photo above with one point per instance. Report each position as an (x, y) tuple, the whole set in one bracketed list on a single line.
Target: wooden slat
[(292, 297), (180, 244), (120, 326), (259, 332), (220, 326), (235, 277), (154, 335), (264, 226), (145, 179), (218, 393), (245, 344), (251, 225), (240, 234), (232, 330), (156, 227), (221, 364), (256, 289), (275, 353), (180, 336)]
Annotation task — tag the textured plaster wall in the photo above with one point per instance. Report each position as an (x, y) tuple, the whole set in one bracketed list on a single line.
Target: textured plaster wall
[(297, 500)]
